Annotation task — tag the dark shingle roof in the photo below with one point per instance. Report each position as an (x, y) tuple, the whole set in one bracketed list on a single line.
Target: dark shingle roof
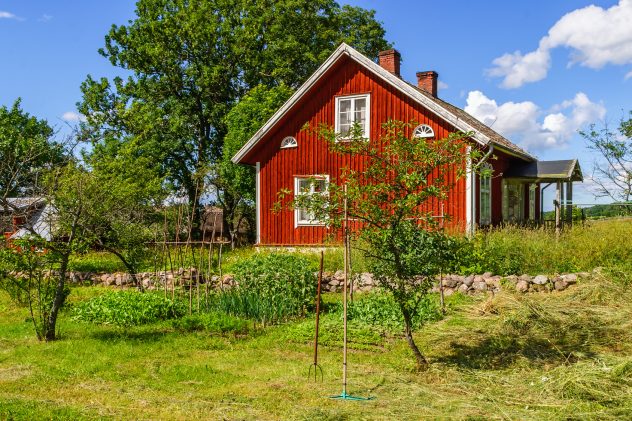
[(567, 169)]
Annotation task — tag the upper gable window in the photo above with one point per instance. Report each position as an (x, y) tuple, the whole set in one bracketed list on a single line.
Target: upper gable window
[(350, 110), (423, 131), (289, 142)]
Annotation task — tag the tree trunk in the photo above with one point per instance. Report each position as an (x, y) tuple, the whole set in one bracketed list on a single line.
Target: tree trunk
[(422, 363), (58, 301), (130, 269)]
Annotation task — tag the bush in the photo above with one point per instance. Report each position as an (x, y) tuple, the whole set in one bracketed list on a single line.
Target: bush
[(128, 308), (270, 287), (378, 308)]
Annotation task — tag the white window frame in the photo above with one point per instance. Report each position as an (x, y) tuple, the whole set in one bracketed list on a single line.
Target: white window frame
[(485, 180), (423, 131), (367, 128), (289, 142), (297, 191), (532, 197)]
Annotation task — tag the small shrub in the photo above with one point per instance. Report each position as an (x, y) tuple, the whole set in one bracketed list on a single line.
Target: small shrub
[(378, 308), (128, 308), (270, 287)]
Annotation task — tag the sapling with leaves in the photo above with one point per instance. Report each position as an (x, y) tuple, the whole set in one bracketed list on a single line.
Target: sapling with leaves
[(390, 197)]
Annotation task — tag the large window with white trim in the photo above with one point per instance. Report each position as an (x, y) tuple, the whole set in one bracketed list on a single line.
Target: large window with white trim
[(351, 110), (309, 185), (486, 197)]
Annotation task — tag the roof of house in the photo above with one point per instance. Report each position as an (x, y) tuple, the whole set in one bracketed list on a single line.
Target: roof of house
[(547, 170), (40, 223), (21, 203), (457, 117)]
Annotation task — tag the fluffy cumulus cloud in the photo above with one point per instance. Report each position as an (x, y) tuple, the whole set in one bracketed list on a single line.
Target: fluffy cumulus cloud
[(595, 36), (528, 125), (72, 117)]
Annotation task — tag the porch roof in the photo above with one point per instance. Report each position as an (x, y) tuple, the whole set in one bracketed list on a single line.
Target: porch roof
[(562, 170)]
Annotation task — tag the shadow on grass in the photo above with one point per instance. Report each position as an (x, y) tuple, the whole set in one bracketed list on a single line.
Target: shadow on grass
[(545, 342)]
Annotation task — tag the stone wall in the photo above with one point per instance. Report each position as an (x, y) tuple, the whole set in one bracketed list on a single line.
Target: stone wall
[(333, 282)]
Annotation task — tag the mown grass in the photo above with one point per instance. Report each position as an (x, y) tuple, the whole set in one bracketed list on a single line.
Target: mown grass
[(561, 355)]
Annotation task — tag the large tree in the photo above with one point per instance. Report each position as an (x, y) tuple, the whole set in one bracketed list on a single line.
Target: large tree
[(612, 173), (190, 61), (26, 151)]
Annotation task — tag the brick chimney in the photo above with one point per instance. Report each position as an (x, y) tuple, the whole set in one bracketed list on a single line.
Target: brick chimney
[(427, 81), (390, 60)]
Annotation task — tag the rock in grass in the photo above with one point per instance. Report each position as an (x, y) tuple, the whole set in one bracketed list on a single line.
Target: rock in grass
[(463, 288), (561, 284), (540, 279), (522, 286), (468, 280), (479, 285), (570, 278)]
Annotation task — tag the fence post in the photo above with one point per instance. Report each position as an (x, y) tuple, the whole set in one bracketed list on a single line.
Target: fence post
[(556, 202)]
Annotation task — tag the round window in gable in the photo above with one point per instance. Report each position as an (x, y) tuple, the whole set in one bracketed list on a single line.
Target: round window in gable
[(423, 131), (289, 142)]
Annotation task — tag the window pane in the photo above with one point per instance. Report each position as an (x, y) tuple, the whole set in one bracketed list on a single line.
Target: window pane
[(345, 105), (320, 185)]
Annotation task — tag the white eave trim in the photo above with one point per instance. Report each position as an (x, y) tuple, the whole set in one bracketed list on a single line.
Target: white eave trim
[(388, 77)]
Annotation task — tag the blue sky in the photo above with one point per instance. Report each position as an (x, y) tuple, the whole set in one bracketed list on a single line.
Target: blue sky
[(537, 71)]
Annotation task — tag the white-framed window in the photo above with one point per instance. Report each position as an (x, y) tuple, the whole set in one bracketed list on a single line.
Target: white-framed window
[(350, 110), (532, 188), (423, 131), (486, 197), (309, 185), (289, 142), (513, 201)]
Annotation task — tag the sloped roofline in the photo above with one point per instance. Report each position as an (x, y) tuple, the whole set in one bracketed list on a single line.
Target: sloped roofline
[(346, 50)]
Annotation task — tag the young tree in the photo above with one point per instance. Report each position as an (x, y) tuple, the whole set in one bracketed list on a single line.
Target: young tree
[(612, 173), (389, 200), (191, 61)]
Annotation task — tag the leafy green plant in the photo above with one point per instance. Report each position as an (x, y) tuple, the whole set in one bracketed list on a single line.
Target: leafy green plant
[(270, 287), (380, 308), (128, 308)]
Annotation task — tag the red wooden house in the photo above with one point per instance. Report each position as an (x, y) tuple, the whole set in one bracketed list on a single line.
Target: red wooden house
[(350, 88)]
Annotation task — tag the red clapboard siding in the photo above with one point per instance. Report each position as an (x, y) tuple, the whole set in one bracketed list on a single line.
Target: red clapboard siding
[(311, 157)]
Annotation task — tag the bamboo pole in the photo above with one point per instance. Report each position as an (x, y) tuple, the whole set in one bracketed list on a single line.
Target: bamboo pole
[(346, 279)]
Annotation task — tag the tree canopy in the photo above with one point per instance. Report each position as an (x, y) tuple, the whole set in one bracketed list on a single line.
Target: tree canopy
[(190, 62), (26, 150)]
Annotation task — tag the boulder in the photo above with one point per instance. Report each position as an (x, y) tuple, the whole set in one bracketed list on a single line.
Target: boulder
[(487, 274), (540, 279), (463, 288), (479, 285), (524, 277), (522, 286), (561, 284), (468, 280), (450, 282), (570, 278), (448, 291)]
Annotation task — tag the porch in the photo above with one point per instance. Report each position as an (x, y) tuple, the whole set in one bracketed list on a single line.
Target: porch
[(539, 176)]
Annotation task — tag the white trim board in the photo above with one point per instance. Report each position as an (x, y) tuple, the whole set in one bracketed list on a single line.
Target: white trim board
[(346, 50)]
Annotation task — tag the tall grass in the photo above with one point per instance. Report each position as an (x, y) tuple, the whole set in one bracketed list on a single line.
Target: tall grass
[(515, 250)]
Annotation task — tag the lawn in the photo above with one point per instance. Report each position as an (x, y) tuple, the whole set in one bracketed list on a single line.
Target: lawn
[(561, 355)]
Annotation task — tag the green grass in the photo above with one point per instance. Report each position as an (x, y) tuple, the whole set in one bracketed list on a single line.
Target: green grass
[(538, 356)]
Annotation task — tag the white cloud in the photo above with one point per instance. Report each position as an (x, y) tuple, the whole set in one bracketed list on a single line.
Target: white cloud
[(7, 15), (595, 36), (528, 125), (442, 85), (45, 18), (73, 117), (628, 75)]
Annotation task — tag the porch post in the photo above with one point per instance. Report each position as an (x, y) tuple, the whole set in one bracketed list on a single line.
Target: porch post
[(556, 202), (569, 203)]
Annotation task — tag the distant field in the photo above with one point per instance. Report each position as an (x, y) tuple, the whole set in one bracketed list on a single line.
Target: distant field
[(543, 356)]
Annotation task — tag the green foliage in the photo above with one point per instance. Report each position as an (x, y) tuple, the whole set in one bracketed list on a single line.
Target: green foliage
[(26, 151), (380, 309), (191, 62), (612, 175), (128, 308), (270, 287)]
